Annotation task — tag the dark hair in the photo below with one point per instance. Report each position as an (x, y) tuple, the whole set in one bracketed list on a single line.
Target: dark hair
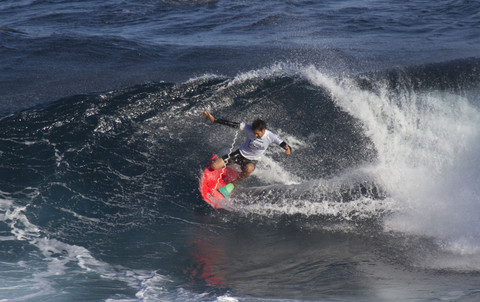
[(259, 124)]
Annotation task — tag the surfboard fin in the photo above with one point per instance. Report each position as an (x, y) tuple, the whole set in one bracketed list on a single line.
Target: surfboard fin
[(226, 190)]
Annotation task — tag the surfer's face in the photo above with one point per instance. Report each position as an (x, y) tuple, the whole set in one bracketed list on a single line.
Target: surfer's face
[(259, 133)]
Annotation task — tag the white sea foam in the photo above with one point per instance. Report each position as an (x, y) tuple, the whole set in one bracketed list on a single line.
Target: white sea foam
[(56, 259), (272, 172), (351, 195)]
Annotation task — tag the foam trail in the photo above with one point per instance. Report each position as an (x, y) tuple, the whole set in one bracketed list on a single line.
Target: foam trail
[(428, 146), (350, 196)]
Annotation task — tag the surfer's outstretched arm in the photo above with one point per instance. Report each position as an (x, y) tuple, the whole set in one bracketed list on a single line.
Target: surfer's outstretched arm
[(210, 117)]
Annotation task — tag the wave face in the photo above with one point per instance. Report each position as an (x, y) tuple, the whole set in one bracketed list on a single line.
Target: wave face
[(103, 188)]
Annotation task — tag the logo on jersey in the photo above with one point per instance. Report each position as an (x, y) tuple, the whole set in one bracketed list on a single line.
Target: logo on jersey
[(255, 144)]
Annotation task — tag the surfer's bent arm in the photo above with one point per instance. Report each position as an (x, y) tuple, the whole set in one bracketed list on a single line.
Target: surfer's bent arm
[(275, 139), (287, 148)]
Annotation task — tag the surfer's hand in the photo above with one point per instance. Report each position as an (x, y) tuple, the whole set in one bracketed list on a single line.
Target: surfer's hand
[(208, 116), (287, 150)]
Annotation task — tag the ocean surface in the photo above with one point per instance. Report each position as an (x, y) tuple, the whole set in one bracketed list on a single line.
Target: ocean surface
[(103, 143)]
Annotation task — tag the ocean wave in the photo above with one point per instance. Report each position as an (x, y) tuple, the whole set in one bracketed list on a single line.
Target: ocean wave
[(372, 158)]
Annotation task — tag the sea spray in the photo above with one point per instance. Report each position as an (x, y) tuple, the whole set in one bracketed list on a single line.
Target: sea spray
[(427, 143)]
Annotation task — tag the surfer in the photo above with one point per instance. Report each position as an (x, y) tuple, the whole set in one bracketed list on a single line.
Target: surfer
[(257, 141)]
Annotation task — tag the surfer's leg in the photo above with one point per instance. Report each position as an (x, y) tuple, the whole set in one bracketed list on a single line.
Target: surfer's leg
[(246, 171), (218, 163), (221, 162)]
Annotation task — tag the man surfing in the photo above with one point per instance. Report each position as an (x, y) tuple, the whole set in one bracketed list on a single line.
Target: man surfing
[(258, 138)]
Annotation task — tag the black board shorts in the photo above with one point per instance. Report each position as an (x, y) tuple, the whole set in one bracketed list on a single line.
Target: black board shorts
[(237, 158)]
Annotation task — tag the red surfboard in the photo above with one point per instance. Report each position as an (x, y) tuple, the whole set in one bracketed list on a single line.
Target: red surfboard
[(212, 180)]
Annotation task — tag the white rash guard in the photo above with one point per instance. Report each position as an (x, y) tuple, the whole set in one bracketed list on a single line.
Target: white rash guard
[(253, 148)]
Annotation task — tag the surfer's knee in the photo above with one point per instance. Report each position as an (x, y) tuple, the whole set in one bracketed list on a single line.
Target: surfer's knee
[(217, 164), (248, 169)]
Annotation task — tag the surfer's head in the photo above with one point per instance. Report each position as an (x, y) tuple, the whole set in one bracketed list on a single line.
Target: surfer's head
[(259, 127)]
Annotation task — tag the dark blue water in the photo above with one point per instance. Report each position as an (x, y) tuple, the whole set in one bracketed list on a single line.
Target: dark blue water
[(102, 144)]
